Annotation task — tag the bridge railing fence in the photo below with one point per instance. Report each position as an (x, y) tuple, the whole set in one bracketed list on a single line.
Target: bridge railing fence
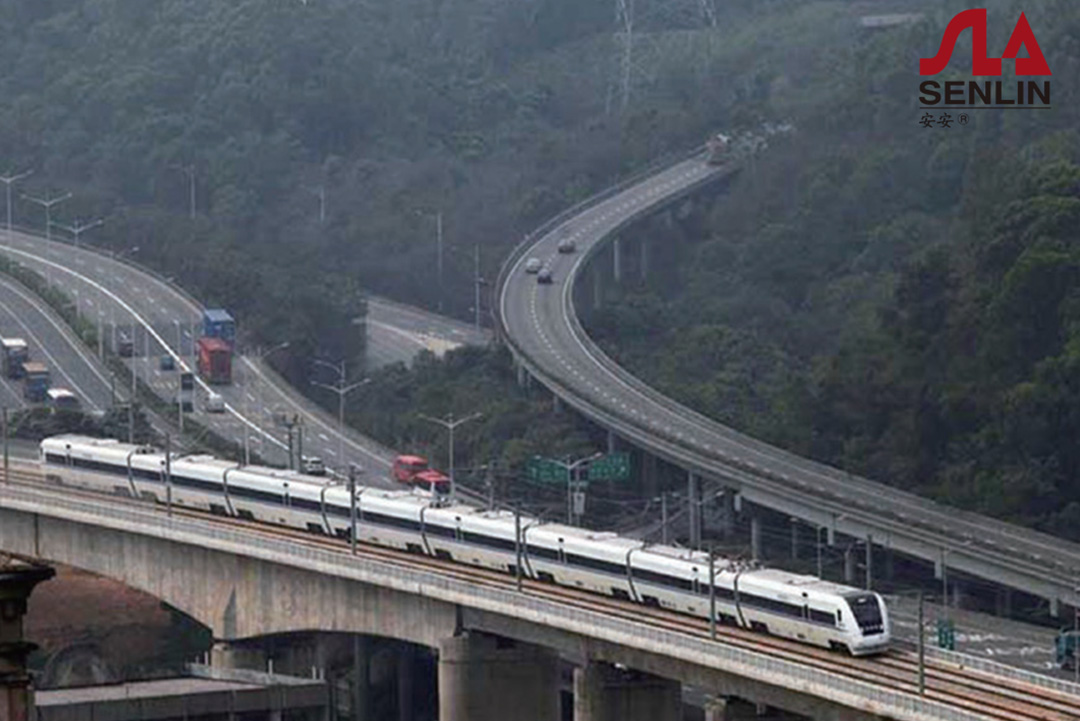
[(651, 639)]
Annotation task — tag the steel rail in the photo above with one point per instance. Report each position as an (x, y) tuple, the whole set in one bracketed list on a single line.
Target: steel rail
[(272, 545)]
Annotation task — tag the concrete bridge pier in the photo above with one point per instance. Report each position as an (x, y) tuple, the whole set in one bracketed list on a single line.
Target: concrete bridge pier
[(597, 286), (482, 676), (248, 656), (406, 681), (869, 561), (616, 259), (849, 565), (727, 512), (755, 538), (606, 693), (17, 582)]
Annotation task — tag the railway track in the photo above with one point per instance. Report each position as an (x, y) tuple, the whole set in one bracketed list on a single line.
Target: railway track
[(993, 697)]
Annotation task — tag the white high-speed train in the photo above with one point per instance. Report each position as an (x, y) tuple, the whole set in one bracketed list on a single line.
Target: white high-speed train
[(804, 608)]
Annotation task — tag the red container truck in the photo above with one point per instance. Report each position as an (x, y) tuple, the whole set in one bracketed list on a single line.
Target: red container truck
[(414, 471), (215, 360)]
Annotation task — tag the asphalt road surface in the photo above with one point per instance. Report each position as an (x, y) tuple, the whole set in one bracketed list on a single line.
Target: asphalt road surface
[(160, 319), (541, 324), (398, 332)]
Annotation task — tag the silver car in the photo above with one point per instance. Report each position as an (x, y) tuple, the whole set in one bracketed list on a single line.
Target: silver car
[(533, 265)]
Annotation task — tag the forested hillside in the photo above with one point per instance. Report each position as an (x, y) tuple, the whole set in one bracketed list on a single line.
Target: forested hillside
[(901, 301), (898, 300), (495, 114)]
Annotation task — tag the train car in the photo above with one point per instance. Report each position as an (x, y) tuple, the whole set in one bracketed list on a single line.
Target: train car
[(799, 607)]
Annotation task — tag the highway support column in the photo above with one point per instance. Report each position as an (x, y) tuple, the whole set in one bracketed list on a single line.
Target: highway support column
[(616, 255), (17, 582), (849, 565), (727, 512), (605, 693), (488, 678), (755, 538)]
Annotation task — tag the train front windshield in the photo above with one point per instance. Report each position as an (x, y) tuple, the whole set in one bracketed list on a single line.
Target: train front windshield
[(867, 612)]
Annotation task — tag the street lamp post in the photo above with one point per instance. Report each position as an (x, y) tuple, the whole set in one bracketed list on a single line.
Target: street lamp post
[(449, 423), (922, 648), (262, 410), (663, 518), (79, 228), (47, 204), (712, 593), (1076, 631), (517, 535), (438, 251), (342, 390), (8, 180), (354, 471), (571, 468)]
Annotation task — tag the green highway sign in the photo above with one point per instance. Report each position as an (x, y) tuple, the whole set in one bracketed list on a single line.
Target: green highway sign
[(544, 470), (612, 467)]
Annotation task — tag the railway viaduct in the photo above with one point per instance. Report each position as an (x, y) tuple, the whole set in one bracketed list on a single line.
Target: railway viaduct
[(498, 648)]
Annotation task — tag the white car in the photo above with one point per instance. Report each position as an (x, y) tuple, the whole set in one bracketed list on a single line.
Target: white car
[(567, 245), (215, 403), (533, 265)]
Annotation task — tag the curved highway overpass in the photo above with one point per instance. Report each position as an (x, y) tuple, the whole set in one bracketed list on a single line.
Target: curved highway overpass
[(540, 325)]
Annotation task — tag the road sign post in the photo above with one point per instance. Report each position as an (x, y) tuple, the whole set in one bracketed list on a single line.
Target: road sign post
[(610, 467)]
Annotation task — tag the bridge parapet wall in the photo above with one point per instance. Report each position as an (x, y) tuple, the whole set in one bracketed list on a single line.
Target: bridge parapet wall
[(244, 583)]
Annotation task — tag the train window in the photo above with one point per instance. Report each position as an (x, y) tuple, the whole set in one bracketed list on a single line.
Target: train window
[(839, 616)]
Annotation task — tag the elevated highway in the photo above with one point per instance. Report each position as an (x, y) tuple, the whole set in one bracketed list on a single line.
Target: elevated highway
[(244, 580), (163, 319), (541, 327)]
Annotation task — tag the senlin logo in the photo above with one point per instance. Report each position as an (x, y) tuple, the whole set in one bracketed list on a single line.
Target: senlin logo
[(986, 94)]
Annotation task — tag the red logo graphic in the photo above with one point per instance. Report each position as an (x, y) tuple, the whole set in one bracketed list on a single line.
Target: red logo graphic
[(1034, 64)]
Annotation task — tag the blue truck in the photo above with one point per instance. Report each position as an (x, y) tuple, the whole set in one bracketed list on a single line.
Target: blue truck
[(217, 323), (36, 388)]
